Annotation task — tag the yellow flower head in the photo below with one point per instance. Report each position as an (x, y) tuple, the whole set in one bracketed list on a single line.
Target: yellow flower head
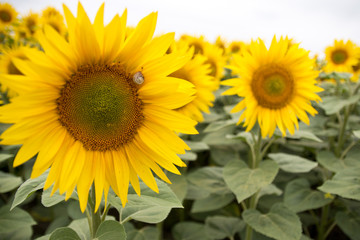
[(197, 42), (99, 109), (277, 85), (216, 59), (197, 72), (7, 14), (220, 43), (8, 70), (235, 47), (341, 56), (31, 23), (50, 12), (355, 71)]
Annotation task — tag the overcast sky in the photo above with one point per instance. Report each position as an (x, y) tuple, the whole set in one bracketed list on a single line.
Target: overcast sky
[(314, 23)]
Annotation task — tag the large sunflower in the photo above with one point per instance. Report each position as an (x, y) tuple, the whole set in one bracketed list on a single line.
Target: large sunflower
[(8, 70), (100, 109), (7, 14), (341, 56), (277, 85), (198, 73)]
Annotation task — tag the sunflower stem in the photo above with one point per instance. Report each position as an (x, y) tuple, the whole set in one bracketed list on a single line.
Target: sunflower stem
[(256, 159), (95, 216), (341, 139), (323, 222)]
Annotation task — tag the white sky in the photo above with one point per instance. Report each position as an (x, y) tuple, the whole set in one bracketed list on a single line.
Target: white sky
[(314, 23)]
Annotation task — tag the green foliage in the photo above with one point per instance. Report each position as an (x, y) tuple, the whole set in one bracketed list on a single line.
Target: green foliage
[(292, 163), (110, 230)]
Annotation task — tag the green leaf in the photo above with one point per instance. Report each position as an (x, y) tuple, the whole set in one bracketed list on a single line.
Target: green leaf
[(301, 134), (178, 185), (146, 233), (15, 220), (333, 104), (357, 133), (216, 126), (73, 210), (219, 137), (243, 136), (335, 164), (280, 223), (8, 182), (29, 187), (224, 154), (349, 224), (300, 197), (150, 207), (220, 227), (49, 201), (24, 234), (110, 230), (244, 181), (345, 183), (5, 156), (189, 231), (64, 233), (210, 179), (188, 156), (292, 163), (81, 227), (269, 190), (212, 202), (194, 192), (197, 146)]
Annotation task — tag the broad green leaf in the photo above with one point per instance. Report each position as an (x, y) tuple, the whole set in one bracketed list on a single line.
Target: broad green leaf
[(300, 197), (64, 233), (243, 136), (188, 156), (58, 222), (301, 134), (210, 179), (345, 183), (280, 223), (219, 137), (29, 187), (9, 182), (357, 133), (73, 210), (24, 234), (110, 230), (146, 233), (49, 201), (244, 181), (269, 190), (81, 227), (212, 202), (333, 104), (195, 192), (5, 156), (349, 224), (224, 154), (220, 227), (189, 231), (150, 207), (178, 185), (14, 220), (197, 146), (334, 164), (292, 163), (215, 126)]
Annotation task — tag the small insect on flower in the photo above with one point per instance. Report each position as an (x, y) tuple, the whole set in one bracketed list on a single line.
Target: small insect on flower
[(138, 78)]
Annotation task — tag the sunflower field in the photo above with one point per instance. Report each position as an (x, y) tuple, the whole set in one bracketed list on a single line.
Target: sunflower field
[(110, 132)]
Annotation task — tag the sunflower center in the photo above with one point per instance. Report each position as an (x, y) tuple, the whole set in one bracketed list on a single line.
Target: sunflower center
[(339, 56), (235, 49), (198, 49), (272, 86), (99, 107), (212, 67), (5, 16)]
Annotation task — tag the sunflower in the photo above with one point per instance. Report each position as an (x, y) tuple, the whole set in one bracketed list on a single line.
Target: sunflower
[(9, 71), (215, 58), (196, 72), (7, 14), (355, 71), (235, 47), (31, 23), (100, 109), (341, 56), (277, 85), (197, 42), (220, 43), (53, 17)]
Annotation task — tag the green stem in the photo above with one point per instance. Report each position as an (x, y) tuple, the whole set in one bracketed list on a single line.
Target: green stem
[(323, 222), (341, 138), (88, 216), (270, 142), (256, 159), (347, 150), (95, 216), (329, 230), (106, 210), (159, 227)]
